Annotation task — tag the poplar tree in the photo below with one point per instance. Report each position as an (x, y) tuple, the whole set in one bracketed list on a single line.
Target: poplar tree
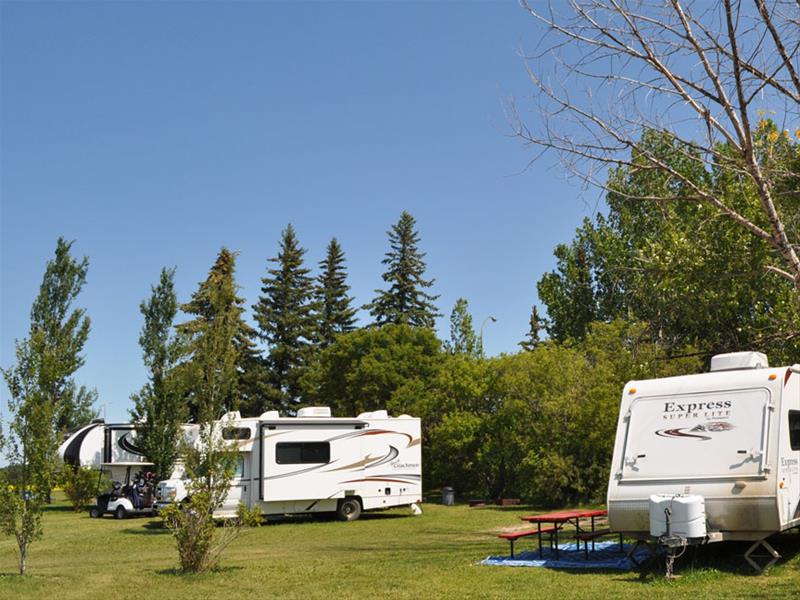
[(160, 406), (335, 313), (44, 398), (29, 443), (405, 301), (219, 342), (64, 332), (532, 338), (463, 339), (285, 316)]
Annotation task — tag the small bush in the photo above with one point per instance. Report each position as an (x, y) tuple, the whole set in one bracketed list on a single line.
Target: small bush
[(81, 485), (200, 542)]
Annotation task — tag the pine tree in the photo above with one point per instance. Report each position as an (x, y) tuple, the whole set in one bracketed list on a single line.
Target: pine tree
[(160, 406), (335, 314), (64, 332), (532, 338), (405, 302), (285, 317), (219, 341), (463, 339)]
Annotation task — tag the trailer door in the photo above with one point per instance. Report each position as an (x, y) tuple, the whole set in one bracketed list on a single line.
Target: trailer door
[(697, 436)]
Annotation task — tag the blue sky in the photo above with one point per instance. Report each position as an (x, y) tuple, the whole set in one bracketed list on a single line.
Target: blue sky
[(155, 133)]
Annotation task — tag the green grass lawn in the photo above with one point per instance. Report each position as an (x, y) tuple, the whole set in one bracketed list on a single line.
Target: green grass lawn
[(390, 554)]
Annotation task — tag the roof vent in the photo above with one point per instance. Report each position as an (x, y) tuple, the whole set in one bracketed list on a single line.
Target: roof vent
[(270, 415), (734, 361), (314, 411)]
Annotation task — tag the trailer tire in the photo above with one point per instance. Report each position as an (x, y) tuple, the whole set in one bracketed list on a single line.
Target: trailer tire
[(348, 509), (120, 513)]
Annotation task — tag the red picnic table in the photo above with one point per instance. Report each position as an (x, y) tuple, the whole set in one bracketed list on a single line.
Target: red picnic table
[(559, 519)]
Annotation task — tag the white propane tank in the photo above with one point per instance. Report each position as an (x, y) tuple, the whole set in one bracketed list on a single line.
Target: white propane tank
[(687, 519)]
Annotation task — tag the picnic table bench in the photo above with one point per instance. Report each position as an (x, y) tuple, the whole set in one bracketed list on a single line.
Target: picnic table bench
[(591, 536), (560, 519), (513, 536)]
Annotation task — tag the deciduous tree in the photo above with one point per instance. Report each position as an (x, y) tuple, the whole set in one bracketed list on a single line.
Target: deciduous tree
[(63, 334), (160, 406), (607, 71)]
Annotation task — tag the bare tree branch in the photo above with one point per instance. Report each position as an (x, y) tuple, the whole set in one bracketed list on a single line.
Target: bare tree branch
[(693, 71)]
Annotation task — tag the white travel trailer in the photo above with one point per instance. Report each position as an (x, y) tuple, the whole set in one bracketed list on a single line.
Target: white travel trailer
[(111, 449), (709, 457), (317, 463), (108, 447)]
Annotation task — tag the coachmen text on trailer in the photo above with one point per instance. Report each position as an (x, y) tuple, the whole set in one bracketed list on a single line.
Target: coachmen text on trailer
[(709, 457), (318, 463)]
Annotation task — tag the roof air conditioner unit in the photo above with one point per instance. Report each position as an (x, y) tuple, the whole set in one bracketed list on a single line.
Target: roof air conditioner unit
[(314, 411), (734, 361)]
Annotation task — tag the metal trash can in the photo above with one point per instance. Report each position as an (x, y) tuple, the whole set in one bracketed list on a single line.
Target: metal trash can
[(448, 496)]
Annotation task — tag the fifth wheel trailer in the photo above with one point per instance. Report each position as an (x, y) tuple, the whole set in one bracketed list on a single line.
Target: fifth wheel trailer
[(709, 457), (318, 463)]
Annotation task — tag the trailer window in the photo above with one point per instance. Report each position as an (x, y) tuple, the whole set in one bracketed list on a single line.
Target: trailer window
[(794, 429), (236, 433), (298, 453)]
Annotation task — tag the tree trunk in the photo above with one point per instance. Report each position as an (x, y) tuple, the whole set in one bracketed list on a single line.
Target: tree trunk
[(23, 557)]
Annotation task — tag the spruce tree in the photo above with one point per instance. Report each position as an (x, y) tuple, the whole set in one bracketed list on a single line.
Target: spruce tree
[(405, 302), (532, 338), (285, 317), (219, 341), (64, 332), (160, 406), (335, 313), (463, 339)]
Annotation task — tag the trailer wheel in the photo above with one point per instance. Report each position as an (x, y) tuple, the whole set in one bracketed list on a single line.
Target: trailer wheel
[(120, 513), (348, 509), (95, 513)]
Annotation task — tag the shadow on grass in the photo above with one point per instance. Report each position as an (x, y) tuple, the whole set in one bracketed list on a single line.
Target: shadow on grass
[(701, 562), (61, 508), (176, 572), (330, 517), (149, 528), (507, 509)]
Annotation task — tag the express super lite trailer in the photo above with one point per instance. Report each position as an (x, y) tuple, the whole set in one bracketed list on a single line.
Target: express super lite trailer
[(709, 457), (318, 463)]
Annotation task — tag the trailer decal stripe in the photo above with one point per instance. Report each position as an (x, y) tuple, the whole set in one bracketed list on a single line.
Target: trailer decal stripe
[(364, 461), (370, 479), (72, 454), (300, 471)]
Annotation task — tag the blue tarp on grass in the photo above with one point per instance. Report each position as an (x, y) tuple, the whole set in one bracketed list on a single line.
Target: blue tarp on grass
[(606, 555)]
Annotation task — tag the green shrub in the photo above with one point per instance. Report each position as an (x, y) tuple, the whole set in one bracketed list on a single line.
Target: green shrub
[(81, 485)]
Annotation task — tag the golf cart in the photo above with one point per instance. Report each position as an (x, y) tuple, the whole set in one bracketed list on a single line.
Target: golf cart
[(128, 497)]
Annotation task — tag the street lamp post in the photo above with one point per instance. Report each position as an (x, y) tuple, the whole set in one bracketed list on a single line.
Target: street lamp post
[(485, 321)]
